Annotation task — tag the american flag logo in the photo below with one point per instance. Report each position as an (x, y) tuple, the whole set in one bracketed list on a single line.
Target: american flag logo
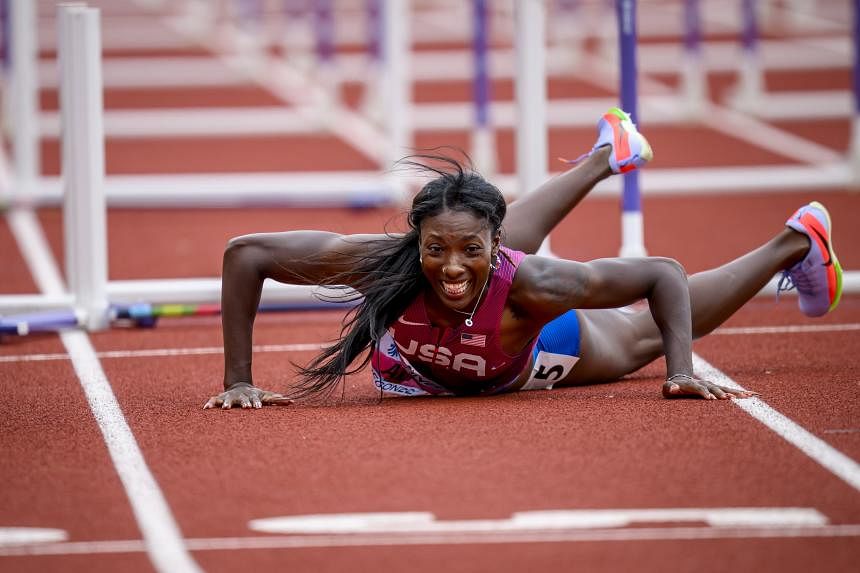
[(468, 339)]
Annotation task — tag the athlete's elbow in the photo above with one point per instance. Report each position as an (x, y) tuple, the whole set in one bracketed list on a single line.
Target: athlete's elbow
[(242, 252)]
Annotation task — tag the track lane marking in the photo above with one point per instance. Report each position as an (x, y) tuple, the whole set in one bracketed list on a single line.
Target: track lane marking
[(817, 449), (457, 538), (162, 539)]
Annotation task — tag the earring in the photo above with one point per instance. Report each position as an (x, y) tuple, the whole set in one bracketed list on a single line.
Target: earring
[(495, 265)]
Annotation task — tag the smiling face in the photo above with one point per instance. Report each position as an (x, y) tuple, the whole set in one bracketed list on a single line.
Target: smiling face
[(456, 248)]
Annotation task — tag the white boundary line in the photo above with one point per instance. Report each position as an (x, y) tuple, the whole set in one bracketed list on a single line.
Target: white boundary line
[(454, 538), (162, 538), (820, 451)]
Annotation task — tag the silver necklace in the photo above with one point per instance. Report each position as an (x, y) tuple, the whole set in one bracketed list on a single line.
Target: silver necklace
[(477, 302)]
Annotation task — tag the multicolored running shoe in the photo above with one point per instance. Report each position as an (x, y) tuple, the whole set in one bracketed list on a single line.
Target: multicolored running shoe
[(630, 149), (818, 277)]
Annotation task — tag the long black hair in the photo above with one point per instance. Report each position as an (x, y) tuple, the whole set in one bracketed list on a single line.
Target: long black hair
[(390, 275)]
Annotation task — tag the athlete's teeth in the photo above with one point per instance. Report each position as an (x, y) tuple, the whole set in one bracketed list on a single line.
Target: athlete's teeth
[(455, 288)]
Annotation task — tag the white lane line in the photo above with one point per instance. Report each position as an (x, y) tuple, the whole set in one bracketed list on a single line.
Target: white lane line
[(163, 540), (820, 451), (456, 538), (30, 535), (541, 520), (313, 346), (166, 352), (788, 329)]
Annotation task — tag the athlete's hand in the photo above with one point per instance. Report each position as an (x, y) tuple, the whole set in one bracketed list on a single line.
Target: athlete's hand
[(245, 396), (691, 386)]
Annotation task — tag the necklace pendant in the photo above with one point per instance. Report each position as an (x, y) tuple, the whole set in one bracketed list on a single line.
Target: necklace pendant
[(469, 321)]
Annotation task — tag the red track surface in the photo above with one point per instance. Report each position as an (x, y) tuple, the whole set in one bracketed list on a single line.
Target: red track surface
[(618, 446)]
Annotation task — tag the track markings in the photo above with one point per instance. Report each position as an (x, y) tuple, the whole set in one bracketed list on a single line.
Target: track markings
[(28, 535), (162, 538), (624, 534), (425, 522), (820, 451)]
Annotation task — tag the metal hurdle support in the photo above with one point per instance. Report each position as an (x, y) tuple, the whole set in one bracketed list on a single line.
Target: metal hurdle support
[(83, 163), (23, 99), (854, 149), (372, 97), (748, 91), (483, 135), (531, 104), (396, 50), (84, 211), (694, 79), (632, 230)]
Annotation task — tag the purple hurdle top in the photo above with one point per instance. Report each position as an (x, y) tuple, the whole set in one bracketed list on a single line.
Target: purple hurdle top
[(481, 83), (626, 14), (692, 26)]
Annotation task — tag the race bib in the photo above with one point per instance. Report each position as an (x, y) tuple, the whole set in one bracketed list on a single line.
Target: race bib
[(548, 369)]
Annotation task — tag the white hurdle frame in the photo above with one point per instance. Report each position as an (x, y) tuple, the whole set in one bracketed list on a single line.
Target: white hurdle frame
[(532, 147), (83, 162), (85, 206), (25, 100)]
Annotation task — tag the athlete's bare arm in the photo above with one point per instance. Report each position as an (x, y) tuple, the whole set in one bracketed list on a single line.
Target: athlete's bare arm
[(295, 257), (545, 288)]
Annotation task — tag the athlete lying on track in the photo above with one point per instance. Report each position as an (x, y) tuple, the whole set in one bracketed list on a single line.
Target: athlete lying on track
[(449, 310)]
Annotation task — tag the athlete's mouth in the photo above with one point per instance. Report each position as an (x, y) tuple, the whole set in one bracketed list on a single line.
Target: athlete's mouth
[(455, 289)]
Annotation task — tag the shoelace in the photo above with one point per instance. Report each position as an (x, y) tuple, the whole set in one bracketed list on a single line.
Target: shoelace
[(790, 281)]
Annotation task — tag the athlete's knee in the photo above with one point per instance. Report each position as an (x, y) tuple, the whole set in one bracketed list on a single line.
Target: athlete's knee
[(671, 265)]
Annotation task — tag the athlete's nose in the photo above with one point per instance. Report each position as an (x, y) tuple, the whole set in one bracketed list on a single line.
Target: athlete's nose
[(453, 268)]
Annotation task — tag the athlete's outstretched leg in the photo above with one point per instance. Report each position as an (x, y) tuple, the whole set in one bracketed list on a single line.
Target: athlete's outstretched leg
[(620, 148), (615, 343), (531, 217)]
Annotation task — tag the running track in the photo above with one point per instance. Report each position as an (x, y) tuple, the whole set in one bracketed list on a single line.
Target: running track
[(186, 502)]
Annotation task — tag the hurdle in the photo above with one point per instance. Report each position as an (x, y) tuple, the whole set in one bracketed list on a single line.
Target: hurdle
[(693, 78), (22, 105), (530, 92), (92, 301), (748, 90), (483, 136), (364, 188), (632, 230), (854, 148)]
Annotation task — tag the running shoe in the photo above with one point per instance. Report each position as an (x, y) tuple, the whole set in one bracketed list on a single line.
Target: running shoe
[(818, 277), (630, 149)]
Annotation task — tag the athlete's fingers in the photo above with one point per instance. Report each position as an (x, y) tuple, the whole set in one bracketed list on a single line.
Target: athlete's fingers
[(255, 401), (739, 392), (719, 392), (244, 401), (211, 402), (227, 404)]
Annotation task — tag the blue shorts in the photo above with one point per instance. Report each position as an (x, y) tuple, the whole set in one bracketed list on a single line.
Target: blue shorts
[(556, 352), (560, 336)]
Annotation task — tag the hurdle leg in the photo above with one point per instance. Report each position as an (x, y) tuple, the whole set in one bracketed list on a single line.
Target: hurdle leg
[(24, 99), (531, 100), (632, 230), (694, 79), (483, 135), (84, 211)]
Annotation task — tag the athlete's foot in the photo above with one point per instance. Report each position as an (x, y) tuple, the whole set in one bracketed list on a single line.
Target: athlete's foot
[(628, 149), (818, 276)]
